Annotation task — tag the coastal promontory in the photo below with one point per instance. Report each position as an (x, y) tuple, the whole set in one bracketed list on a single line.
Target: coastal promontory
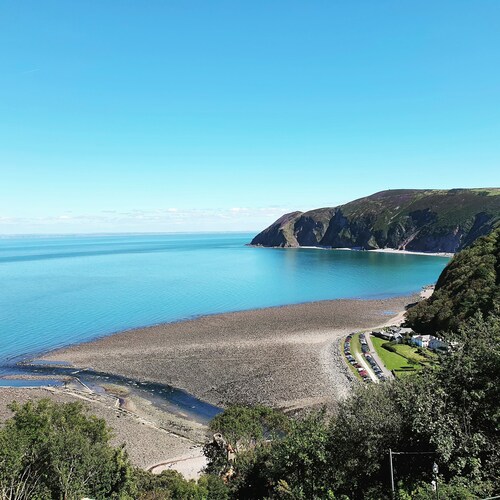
[(402, 219)]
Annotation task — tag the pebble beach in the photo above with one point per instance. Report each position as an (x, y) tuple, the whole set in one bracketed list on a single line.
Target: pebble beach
[(286, 357)]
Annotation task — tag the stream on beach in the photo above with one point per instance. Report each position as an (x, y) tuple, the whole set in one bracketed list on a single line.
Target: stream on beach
[(164, 397)]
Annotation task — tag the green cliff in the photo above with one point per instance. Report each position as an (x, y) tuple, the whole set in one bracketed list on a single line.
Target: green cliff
[(469, 283), (404, 219)]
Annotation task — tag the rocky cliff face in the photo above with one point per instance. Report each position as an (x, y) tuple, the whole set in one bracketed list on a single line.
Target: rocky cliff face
[(405, 219)]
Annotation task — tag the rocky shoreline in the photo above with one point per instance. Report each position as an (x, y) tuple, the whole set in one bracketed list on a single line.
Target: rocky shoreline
[(282, 356)]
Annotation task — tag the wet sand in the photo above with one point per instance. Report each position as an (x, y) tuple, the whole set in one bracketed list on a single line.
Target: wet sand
[(286, 357)]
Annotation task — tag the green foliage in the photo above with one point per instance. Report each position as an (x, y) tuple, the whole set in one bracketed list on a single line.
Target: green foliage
[(250, 477), (244, 428), (293, 465), (391, 358), (364, 429), (470, 283), (171, 485), (389, 347), (450, 410), (56, 451), (50, 450), (245, 425), (460, 417), (215, 487), (447, 491), (168, 484), (299, 463)]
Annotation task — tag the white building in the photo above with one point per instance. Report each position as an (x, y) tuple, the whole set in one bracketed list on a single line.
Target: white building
[(428, 341), (435, 344), (421, 340)]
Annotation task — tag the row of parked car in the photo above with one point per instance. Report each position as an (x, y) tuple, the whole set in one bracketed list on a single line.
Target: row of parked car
[(366, 353), (347, 351)]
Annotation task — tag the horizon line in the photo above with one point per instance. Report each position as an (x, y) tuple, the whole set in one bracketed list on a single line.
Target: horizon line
[(121, 233)]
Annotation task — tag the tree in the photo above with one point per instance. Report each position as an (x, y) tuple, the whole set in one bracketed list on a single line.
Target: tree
[(171, 485), (460, 416), (470, 283), (449, 411), (243, 429), (243, 426), (50, 450), (299, 463)]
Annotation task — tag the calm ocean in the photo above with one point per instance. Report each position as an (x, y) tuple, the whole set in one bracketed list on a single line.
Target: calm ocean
[(61, 290)]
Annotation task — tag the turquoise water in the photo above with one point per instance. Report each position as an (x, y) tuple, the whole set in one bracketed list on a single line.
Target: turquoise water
[(61, 290)]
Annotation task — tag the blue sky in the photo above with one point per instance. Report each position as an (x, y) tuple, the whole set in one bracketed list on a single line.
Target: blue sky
[(195, 115)]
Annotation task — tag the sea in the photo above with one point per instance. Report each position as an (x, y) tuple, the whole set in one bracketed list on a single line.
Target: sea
[(61, 290)]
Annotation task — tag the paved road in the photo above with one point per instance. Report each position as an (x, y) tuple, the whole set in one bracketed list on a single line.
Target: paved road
[(376, 357)]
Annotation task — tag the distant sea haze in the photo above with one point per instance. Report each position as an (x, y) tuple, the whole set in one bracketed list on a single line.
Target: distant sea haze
[(57, 291)]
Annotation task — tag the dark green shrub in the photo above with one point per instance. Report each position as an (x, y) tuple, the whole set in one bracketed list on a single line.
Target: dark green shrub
[(389, 346), (50, 450)]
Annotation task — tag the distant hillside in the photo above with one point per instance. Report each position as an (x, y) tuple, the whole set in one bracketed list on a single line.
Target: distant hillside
[(405, 219), (469, 283)]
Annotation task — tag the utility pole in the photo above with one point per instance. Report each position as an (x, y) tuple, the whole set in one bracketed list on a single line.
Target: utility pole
[(391, 453), (392, 474), (435, 470)]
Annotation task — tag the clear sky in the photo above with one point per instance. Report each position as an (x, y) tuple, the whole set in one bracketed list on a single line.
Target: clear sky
[(173, 115)]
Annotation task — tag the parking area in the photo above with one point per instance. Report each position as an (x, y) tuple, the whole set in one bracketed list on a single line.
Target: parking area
[(358, 353), (376, 358)]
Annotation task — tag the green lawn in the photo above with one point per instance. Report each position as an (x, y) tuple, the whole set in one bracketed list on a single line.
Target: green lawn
[(410, 353), (391, 360)]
